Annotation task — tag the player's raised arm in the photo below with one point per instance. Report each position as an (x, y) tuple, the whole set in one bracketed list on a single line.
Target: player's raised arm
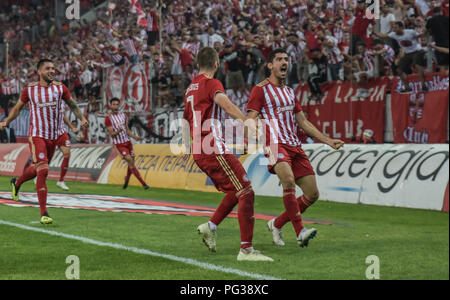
[(74, 107), (225, 103), (312, 131)]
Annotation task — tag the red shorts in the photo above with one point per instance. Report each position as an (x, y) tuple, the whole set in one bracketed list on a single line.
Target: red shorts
[(225, 171), (42, 150), (125, 149), (294, 156), (63, 140)]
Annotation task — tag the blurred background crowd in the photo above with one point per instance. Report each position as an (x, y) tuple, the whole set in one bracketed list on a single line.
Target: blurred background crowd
[(327, 40)]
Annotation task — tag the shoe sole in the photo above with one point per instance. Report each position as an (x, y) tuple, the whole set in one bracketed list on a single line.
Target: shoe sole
[(46, 223), (305, 242), (204, 241)]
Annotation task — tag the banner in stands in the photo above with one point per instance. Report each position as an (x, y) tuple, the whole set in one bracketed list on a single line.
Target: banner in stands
[(129, 83), (343, 115), (414, 176), (421, 117)]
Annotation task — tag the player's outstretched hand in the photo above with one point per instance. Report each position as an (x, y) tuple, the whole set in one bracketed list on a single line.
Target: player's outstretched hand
[(335, 144)]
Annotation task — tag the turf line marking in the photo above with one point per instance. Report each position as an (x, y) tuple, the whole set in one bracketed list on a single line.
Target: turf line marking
[(189, 261)]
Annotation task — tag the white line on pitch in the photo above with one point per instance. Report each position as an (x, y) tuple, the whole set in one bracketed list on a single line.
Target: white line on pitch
[(189, 261)]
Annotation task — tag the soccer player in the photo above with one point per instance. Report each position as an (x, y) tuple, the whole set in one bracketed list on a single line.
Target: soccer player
[(205, 105), (116, 124), (45, 100), (64, 145), (275, 103)]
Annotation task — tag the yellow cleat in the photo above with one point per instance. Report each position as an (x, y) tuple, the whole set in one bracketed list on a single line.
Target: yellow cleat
[(46, 220), (14, 191)]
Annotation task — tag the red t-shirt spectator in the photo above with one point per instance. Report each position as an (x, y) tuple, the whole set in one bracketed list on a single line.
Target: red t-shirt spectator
[(361, 23)]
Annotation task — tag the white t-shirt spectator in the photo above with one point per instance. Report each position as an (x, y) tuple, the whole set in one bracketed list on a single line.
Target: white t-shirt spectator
[(385, 23), (408, 41)]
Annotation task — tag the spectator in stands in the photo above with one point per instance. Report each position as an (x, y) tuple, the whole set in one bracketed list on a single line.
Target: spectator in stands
[(7, 134), (414, 55), (366, 138), (387, 57), (438, 26), (317, 74), (364, 67), (360, 25), (333, 54)]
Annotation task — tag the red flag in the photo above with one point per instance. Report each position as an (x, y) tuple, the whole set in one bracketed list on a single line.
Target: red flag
[(135, 7), (142, 20)]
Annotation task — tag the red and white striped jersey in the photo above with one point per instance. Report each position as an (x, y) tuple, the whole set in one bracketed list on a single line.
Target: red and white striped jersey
[(369, 61), (389, 55), (205, 117), (10, 87), (333, 53), (116, 121), (277, 106), (46, 108), (129, 46), (64, 67)]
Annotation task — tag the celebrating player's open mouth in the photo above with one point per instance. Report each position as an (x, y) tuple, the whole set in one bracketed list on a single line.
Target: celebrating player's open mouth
[(283, 70)]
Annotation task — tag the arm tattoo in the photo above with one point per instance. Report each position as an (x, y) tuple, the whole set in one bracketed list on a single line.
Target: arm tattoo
[(74, 108)]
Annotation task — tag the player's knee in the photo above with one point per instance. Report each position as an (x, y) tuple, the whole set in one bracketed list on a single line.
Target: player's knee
[(246, 196), (313, 196), (288, 183), (42, 169)]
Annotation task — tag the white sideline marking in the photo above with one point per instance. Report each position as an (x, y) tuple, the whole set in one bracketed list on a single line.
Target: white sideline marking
[(146, 252)]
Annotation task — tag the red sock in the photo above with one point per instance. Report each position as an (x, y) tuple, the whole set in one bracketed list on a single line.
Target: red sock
[(292, 209), (246, 218), (138, 176), (225, 207), (304, 203), (41, 187), (281, 220), (28, 174), (64, 166), (127, 178)]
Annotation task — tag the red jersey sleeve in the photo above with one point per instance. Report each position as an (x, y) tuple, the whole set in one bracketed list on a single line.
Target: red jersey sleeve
[(214, 86), (66, 93), (255, 101), (298, 108), (108, 122), (24, 96)]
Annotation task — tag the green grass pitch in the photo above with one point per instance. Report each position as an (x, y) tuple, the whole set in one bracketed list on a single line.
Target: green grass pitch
[(410, 244)]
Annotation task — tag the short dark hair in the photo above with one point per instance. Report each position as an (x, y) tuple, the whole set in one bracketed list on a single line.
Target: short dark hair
[(274, 53), (206, 58), (43, 61), (399, 24), (114, 99)]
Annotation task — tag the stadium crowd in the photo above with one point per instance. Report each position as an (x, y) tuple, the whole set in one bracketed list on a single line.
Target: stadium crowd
[(325, 39)]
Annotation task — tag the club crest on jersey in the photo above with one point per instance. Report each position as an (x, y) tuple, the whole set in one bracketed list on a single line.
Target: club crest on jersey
[(41, 155)]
